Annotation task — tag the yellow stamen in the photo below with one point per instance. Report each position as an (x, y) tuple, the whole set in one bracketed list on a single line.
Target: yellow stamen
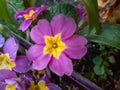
[(40, 86), (10, 87), (30, 15), (5, 62), (54, 45)]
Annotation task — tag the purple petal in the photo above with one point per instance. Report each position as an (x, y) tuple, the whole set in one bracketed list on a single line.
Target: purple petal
[(76, 47), (10, 81), (37, 36), (65, 26), (57, 23), (40, 10), (69, 28), (27, 78), (25, 24), (2, 40), (19, 84), (22, 64), (11, 47), (31, 8), (61, 66), (46, 78), (35, 51), (52, 86), (6, 74), (19, 14), (22, 12), (2, 85), (81, 11), (42, 62), (39, 31)]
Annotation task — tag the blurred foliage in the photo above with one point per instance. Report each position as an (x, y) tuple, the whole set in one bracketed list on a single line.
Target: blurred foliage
[(66, 9), (111, 59), (29, 3), (93, 15), (4, 12), (101, 67), (18, 4), (103, 61), (13, 28), (12, 7), (117, 86), (97, 60), (110, 35)]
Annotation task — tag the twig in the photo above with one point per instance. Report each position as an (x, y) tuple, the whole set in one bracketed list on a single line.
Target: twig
[(82, 81), (21, 40)]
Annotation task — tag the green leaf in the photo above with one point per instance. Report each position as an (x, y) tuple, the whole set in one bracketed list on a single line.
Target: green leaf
[(5, 31), (4, 14), (109, 72), (99, 70), (111, 59), (97, 60), (93, 16), (110, 35), (32, 2), (105, 63), (66, 9), (16, 4)]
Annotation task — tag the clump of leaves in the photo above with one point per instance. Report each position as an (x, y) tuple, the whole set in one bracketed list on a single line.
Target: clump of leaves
[(101, 67), (102, 63)]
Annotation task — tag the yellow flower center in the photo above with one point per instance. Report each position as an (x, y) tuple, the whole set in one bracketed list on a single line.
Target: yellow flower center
[(40, 86), (10, 87), (30, 15), (5, 62), (54, 45)]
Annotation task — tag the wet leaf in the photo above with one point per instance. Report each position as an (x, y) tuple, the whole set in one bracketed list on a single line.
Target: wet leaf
[(66, 9), (110, 72), (4, 14), (99, 70), (110, 35), (97, 60), (93, 16), (111, 59)]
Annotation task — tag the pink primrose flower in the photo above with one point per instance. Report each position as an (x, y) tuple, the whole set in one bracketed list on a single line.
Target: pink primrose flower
[(9, 59), (29, 15), (10, 81), (56, 44)]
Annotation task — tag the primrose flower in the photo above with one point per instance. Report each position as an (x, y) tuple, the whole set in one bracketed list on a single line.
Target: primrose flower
[(56, 44), (6, 75), (45, 78), (43, 84), (9, 59), (9, 81), (8, 56), (29, 15)]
